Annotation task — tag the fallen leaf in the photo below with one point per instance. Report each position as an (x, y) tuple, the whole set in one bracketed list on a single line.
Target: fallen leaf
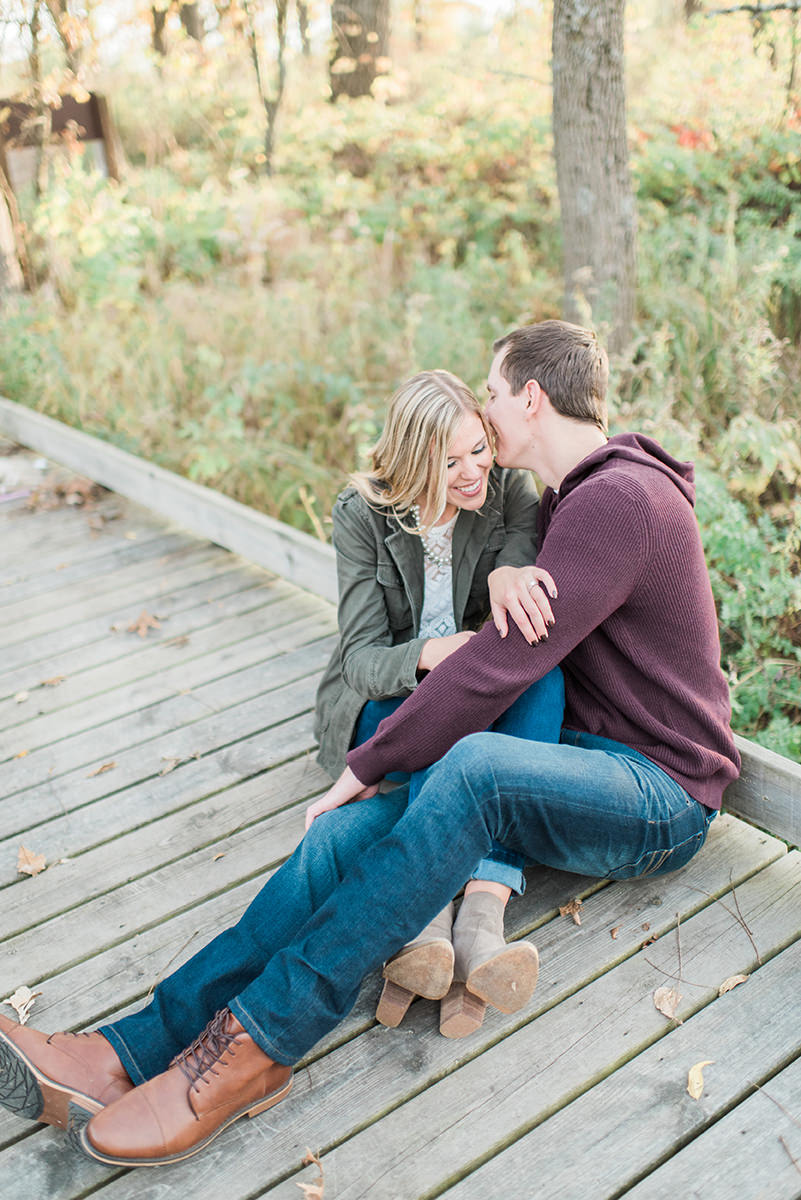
[(21, 697), (54, 682), (695, 1078), (143, 622), (666, 1001), (572, 910), (646, 925), (650, 941), (22, 754), (22, 1002), (109, 766), (614, 932), (169, 764), (220, 855), (316, 1190), (182, 640), (732, 982), (29, 862)]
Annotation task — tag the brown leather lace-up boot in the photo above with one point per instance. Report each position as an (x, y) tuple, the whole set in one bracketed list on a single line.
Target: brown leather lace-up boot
[(222, 1076), (60, 1079)]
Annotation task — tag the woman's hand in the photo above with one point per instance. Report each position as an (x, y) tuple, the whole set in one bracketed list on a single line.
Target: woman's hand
[(346, 788), (520, 593), (437, 649)]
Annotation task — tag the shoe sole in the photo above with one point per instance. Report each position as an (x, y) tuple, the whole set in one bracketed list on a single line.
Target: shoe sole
[(81, 1140), (28, 1092), (507, 981), (424, 970)]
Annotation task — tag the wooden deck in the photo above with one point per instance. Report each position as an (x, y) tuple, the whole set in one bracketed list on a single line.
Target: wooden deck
[(163, 775)]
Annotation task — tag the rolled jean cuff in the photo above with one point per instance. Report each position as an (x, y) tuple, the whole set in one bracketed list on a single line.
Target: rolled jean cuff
[(496, 870), (120, 1046)]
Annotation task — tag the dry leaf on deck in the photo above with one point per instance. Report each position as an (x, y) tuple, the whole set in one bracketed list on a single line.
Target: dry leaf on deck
[(614, 932), (316, 1190), (54, 682), (573, 910), (22, 754), (22, 1002), (30, 863), (169, 764), (695, 1078), (109, 766), (666, 1001), (143, 623), (732, 982)]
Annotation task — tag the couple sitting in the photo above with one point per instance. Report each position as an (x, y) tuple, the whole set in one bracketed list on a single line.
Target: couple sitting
[(624, 782)]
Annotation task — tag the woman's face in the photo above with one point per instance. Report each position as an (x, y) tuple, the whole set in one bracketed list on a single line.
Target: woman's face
[(469, 462)]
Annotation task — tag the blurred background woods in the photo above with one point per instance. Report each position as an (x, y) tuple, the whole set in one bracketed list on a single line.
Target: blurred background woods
[(286, 207)]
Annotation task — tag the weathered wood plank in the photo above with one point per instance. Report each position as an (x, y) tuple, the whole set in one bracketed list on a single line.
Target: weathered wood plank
[(625, 1125), (383, 1068), (100, 821), (293, 555), (218, 649), (182, 732), (768, 791), (748, 1154), (236, 614), (541, 1067), (206, 676), (26, 617), (182, 609)]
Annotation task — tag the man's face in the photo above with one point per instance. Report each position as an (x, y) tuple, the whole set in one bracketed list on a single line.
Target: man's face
[(506, 415)]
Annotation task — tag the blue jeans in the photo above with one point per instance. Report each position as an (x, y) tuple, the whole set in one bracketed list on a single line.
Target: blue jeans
[(370, 875), (536, 716)]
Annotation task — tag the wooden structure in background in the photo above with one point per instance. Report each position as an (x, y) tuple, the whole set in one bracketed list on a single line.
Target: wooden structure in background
[(85, 125), (156, 696)]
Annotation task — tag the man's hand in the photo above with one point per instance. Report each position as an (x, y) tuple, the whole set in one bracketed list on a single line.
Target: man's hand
[(437, 649), (346, 788), (517, 592)]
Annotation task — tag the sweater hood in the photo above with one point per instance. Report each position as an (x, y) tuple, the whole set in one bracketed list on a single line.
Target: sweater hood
[(634, 447)]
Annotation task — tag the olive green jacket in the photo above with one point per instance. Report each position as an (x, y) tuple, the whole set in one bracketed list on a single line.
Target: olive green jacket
[(381, 579)]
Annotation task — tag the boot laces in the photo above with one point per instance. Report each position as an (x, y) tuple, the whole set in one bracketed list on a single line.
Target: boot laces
[(207, 1049)]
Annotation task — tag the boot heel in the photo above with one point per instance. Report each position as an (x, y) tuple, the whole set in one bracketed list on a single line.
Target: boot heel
[(460, 1012), (272, 1099), (393, 1004)]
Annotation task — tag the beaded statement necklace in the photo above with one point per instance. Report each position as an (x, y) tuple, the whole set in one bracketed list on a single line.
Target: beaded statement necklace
[(440, 560)]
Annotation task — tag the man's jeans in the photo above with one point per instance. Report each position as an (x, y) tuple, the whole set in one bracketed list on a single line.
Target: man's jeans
[(369, 876), (536, 715)]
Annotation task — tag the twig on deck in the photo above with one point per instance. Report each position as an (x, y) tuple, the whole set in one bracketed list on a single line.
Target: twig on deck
[(163, 971)]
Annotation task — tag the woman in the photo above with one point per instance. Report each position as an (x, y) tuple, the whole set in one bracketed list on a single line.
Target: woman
[(422, 543)]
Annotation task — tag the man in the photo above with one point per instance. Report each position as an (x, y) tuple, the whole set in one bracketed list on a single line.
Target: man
[(645, 755)]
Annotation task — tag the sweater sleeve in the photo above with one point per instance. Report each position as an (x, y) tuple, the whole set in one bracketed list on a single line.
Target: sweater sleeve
[(597, 544)]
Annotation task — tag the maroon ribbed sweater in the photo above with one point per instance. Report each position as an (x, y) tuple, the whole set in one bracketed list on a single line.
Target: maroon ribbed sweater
[(636, 632)]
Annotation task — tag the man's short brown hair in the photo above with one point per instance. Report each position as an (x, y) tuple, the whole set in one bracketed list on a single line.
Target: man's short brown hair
[(568, 363)]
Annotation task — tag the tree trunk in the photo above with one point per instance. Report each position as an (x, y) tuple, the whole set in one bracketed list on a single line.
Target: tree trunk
[(270, 99), (192, 20), (159, 21), (359, 48), (12, 254), (592, 167), (303, 27)]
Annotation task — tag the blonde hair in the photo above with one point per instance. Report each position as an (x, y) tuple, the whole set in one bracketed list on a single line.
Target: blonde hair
[(410, 459)]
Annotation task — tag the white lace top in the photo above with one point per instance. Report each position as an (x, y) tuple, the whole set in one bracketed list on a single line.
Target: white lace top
[(437, 617)]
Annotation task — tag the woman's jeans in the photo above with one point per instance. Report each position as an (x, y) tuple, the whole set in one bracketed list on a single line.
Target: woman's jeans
[(536, 715), (370, 875)]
